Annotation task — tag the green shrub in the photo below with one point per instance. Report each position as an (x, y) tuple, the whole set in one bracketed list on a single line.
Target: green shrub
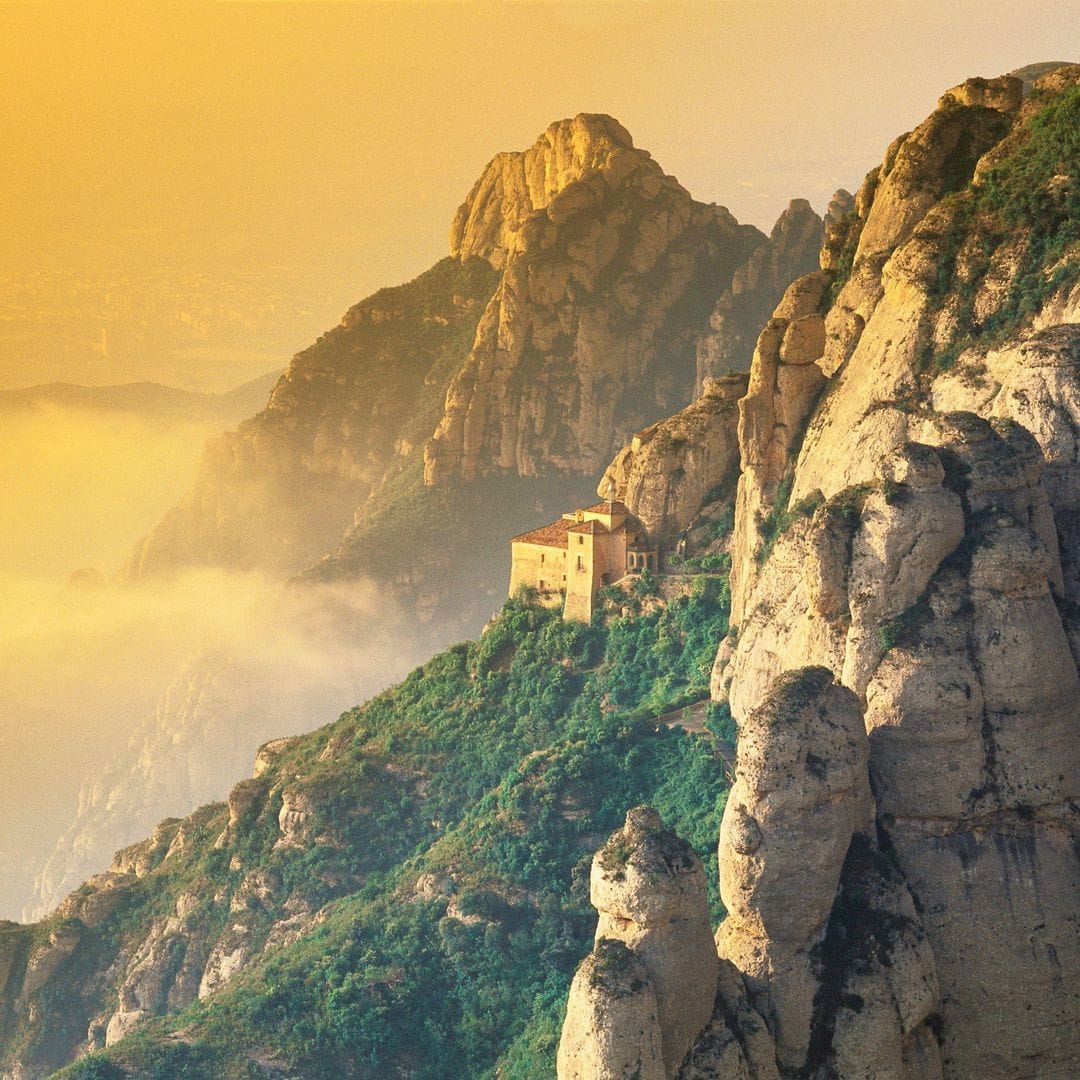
[(500, 764)]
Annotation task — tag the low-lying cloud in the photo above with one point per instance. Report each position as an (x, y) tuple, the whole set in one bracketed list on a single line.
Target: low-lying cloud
[(144, 701), (130, 703)]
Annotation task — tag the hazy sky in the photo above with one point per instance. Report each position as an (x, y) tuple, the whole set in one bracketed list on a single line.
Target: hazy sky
[(338, 139)]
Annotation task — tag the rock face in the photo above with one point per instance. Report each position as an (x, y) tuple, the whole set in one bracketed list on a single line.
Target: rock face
[(279, 492), (666, 471), (649, 889), (756, 288), (932, 573), (607, 269), (817, 920), (785, 383), (905, 582), (564, 319)]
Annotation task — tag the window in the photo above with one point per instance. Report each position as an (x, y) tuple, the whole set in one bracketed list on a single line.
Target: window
[(543, 584), (581, 539), (580, 564), (542, 558)]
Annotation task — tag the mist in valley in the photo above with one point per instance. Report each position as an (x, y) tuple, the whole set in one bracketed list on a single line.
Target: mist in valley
[(126, 704)]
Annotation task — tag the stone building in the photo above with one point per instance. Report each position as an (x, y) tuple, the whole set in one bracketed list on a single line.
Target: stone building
[(568, 561)]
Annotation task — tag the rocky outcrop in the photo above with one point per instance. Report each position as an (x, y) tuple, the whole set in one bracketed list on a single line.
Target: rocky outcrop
[(648, 887), (667, 471), (785, 383), (609, 270), (612, 1030), (758, 285), (1034, 382), (163, 973), (935, 159), (824, 964), (926, 558), (817, 920), (890, 318), (904, 582)]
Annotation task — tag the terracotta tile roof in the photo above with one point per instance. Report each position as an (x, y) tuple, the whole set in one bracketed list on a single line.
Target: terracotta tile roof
[(590, 527), (606, 508), (553, 535)]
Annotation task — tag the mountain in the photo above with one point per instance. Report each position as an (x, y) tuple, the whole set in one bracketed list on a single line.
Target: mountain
[(163, 404), (568, 315), (893, 892), (490, 391), (898, 855)]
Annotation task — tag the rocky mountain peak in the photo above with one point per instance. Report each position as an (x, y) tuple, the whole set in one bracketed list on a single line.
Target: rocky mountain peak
[(1003, 94), (840, 206), (792, 250), (609, 271), (571, 165), (797, 214)]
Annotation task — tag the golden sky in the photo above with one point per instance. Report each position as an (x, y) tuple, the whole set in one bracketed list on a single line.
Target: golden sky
[(331, 143)]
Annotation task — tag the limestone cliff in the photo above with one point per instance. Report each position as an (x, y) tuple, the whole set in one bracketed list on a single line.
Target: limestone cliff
[(756, 287), (926, 557), (904, 577), (668, 471), (609, 269)]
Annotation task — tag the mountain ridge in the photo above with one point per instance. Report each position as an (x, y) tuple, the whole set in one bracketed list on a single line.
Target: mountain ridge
[(904, 672), (901, 663), (323, 487), (147, 398)]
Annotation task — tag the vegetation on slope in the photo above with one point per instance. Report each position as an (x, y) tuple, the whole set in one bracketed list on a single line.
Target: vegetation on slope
[(453, 820), (1023, 213)]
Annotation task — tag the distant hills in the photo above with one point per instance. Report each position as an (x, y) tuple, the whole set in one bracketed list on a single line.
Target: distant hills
[(148, 399)]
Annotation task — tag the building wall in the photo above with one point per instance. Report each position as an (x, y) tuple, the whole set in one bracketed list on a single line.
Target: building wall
[(581, 576), (603, 554), (610, 521), (611, 558), (531, 564)]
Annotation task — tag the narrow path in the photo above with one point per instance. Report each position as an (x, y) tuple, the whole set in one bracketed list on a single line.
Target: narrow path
[(691, 718)]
